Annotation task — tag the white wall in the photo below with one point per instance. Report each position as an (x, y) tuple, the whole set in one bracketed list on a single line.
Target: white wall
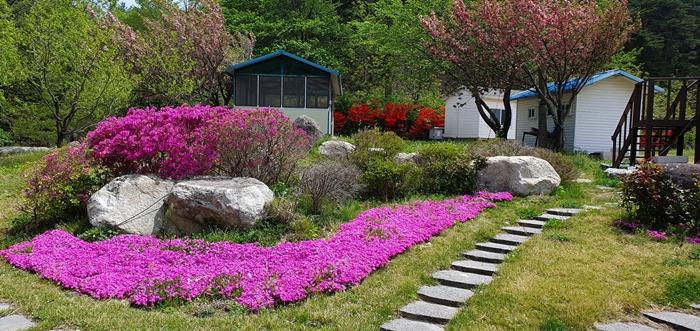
[(600, 107), (462, 119), (525, 124)]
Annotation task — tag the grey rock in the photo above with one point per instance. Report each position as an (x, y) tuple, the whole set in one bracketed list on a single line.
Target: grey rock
[(695, 305), (223, 201), (620, 326), (587, 207), (682, 174), (583, 181), (564, 211), (670, 159), (131, 204), (509, 239), (460, 279), (476, 267), (4, 306), (309, 126), (532, 223), (520, 175), (483, 256), (407, 157), (496, 248), (336, 148), (677, 320), (605, 188), (619, 173), (428, 312), (15, 323), (445, 295), (521, 230), (549, 217), (402, 324), (9, 150)]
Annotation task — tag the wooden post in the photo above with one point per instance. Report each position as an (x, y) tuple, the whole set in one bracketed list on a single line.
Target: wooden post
[(648, 144), (697, 123), (634, 128), (683, 95)]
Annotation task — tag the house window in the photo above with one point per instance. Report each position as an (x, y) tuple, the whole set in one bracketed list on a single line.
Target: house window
[(246, 91), (499, 114), (531, 114), (293, 92), (270, 91), (317, 95)]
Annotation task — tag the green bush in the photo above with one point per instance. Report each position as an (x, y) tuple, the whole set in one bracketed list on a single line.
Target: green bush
[(447, 169), (371, 145), (659, 203), (5, 138), (386, 180), (563, 166)]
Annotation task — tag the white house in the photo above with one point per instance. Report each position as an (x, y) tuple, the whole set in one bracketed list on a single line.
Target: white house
[(594, 114), (462, 119)]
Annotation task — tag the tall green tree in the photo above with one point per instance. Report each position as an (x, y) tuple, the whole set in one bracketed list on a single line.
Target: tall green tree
[(669, 38), (74, 77)]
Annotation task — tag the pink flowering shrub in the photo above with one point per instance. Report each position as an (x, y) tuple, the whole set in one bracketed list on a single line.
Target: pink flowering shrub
[(146, 270), (170, 142), (62, 182), (258, 143)]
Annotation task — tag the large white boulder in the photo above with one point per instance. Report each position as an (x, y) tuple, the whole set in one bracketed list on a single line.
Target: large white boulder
[(222, 201), (131, 204), (336, 148), (309, 126), (519, 175)]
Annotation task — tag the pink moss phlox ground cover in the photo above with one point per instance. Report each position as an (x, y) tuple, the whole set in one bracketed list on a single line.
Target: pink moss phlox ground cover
[(146, 270), (656, 235)]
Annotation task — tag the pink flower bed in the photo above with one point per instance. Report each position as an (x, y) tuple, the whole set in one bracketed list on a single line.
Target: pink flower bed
[(146, 270)]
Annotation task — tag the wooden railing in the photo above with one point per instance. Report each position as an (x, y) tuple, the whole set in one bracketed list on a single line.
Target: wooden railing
[(639, 130)]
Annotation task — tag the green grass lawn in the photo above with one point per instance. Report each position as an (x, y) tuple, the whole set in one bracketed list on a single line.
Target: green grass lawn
[(573, 275)]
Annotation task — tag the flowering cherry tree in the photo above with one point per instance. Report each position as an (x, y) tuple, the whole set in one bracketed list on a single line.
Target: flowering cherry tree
[(555, 46)]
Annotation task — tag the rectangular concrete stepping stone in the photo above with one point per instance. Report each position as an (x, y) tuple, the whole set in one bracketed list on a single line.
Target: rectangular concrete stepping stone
[(509, 239), (564, 211), (521, 230), (402, 324), (444, 295), (4, 306), (496, 248), (532, 223), (695, 305), (483, 256), (15, 323), (678, 321), (482, 268), (549, 217), (620, 326), (461, 279), (428, 312)]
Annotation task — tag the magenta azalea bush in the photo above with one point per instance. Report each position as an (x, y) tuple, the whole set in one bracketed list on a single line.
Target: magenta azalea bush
[(146, 270)]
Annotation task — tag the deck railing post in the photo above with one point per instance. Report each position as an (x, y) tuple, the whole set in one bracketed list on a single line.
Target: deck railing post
[(634, 127), (697, 123), (683, 95), (648, 144)]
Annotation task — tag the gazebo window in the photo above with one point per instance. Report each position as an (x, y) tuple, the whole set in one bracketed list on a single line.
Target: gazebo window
[(270, 91), (293, 92), (317, 92), (246, 91)]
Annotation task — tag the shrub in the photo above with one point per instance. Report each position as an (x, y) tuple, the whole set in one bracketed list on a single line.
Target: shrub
[(651, 196), (5, 138), (387, 180), (329, 180), (375, 145), (259, 143), (170, 142), (62, 182), (404, 119), (563, 166), (447, 169)]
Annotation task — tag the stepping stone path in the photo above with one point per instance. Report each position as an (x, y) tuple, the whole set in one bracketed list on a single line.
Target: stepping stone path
[(672, 319), (439, 304), (14, 322)]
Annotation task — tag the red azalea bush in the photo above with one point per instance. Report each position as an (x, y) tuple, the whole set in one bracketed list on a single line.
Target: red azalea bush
[(406, 120)]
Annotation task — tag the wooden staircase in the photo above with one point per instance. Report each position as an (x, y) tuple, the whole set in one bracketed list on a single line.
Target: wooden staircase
[(643, 133)]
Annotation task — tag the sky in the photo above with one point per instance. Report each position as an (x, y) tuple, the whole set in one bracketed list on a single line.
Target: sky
[(128, 2)]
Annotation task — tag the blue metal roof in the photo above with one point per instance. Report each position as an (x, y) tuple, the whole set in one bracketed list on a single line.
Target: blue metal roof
[(230, 69), (569, 85)]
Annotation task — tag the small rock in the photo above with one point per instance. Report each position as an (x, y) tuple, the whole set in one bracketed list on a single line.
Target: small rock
[(15, 323), (583, 181), (619, 173), (520, 175), (310, 126), (4, 306), (406, 157), (8, 150), (682, 174), (132, 204), (223, 201), (336, 148)]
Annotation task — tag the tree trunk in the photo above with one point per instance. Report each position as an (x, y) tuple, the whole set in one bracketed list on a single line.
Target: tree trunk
[(542, 126)]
